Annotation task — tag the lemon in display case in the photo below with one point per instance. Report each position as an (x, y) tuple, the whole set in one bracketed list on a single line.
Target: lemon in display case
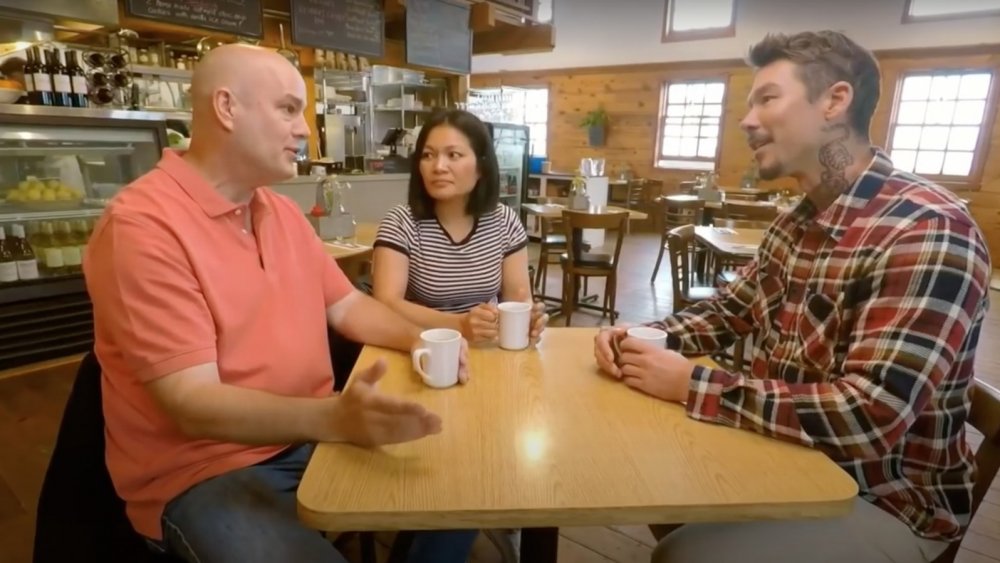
[(44, 194)]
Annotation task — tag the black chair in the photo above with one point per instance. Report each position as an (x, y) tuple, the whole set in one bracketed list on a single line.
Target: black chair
[(80, 516)]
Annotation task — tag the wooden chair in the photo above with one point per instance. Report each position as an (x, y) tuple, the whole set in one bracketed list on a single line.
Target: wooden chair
[(984, 416), (676, 214), (551, 242), (749, 211), (576, 263), (680, 242), (635, 197)]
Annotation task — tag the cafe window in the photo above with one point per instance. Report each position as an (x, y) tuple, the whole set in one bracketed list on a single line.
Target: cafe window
[(690, 125), (924, 10), (938, 126), (698, 19)]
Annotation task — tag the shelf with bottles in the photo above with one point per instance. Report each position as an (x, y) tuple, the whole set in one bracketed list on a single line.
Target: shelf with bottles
[(43, 249), (54, 76)]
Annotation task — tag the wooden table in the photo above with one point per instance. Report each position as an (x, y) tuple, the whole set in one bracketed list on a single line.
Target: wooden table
[(354, 257), (539, 438), (554, 210), (362, 244), (741, 243), (717, 205)]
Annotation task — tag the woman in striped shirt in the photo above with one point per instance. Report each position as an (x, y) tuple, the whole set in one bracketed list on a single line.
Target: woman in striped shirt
[(444, 259)]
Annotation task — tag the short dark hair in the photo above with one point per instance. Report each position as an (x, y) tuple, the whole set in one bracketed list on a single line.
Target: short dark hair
[(824, 58), (485, 195)]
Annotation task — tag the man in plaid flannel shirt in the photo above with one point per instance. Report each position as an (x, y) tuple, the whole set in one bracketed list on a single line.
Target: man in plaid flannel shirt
[(864, 303)]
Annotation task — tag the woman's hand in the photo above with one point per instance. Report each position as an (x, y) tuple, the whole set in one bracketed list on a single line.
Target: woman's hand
[(481, 323), (539, 318)]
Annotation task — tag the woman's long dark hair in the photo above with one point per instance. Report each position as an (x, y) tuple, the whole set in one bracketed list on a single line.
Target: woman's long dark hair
[(485, 195)]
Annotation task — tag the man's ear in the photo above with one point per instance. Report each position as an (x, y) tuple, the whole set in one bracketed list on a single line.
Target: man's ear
[(224, 106), (838, 100)]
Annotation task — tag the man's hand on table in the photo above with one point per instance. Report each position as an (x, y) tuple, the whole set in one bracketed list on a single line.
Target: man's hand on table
[(364, 416), (659, 372), (603, 349)]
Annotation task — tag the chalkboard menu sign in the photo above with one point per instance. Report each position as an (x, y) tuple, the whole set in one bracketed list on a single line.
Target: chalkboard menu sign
[(438, 35), (352, 26), (239, 17)]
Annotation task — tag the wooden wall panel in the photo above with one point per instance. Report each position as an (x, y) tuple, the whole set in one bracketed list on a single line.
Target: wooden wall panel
[(631, 96)]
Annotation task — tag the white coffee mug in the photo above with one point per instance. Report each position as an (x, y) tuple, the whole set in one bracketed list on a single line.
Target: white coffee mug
[(515, 325), (654, 336), (440, 351)]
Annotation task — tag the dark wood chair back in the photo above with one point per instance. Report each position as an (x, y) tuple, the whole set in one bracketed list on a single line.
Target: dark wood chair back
[(984, 416), (677, 213), (575, 221), (680, 243), (749, 211)]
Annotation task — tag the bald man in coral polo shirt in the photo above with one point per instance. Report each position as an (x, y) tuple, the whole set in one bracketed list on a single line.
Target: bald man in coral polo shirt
[(211, 299)]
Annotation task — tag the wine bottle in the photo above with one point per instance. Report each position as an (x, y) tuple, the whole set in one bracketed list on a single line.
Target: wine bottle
[(78, 80), (24, 257), (8, 266), (61, 88), (40, 83)]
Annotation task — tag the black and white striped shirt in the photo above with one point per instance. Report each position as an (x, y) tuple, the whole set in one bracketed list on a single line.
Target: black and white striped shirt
[(447, 275)]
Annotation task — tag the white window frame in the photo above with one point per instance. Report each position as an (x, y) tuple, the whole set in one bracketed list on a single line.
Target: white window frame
[(959, 13), (674, 160), (979, 150), (670, 34)]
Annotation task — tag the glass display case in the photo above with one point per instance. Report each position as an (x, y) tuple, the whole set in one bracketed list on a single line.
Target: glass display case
[(59, 167)]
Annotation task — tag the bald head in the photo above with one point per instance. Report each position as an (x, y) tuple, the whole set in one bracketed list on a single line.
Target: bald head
[(238, 68), (247, 104)]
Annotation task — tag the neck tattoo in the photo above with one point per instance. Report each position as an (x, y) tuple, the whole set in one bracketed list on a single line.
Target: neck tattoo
[(834, 158)]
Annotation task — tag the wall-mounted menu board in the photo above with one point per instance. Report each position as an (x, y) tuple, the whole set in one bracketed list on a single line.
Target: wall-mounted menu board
[(438, 35), (352, 26), (239, 17)]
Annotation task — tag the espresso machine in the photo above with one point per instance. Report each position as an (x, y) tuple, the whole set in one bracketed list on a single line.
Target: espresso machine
[(342, 139)]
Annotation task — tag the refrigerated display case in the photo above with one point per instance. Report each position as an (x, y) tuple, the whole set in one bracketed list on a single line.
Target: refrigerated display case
[(511, 144), (59, 167)]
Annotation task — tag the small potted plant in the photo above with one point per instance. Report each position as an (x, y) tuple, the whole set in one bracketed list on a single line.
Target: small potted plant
[(596, 123)]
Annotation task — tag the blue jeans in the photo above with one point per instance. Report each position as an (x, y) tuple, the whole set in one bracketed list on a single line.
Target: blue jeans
[(249, 515)]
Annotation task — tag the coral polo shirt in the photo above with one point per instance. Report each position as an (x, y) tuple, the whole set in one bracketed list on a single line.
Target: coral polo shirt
[(176, 281)]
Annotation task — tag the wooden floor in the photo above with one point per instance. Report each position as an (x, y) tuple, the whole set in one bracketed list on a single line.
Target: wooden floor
[(31, 407)]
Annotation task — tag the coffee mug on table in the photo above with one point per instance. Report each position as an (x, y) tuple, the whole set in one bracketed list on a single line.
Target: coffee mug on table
[(437, 359), (515, 325), (654, 336)]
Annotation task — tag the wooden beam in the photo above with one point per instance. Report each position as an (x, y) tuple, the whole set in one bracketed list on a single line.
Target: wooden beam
[(514, 39), (483, 17), (395, 30), (393, 8)]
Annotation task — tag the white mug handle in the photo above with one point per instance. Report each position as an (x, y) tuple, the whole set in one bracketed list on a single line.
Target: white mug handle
[(418, 356)]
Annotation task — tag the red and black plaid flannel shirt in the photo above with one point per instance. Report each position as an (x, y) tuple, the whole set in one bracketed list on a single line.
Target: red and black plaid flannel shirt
[(865, 319)]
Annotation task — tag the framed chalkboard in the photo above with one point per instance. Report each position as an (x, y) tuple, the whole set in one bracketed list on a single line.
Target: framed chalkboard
[(352, 26), (438, 35), (239, 17)]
